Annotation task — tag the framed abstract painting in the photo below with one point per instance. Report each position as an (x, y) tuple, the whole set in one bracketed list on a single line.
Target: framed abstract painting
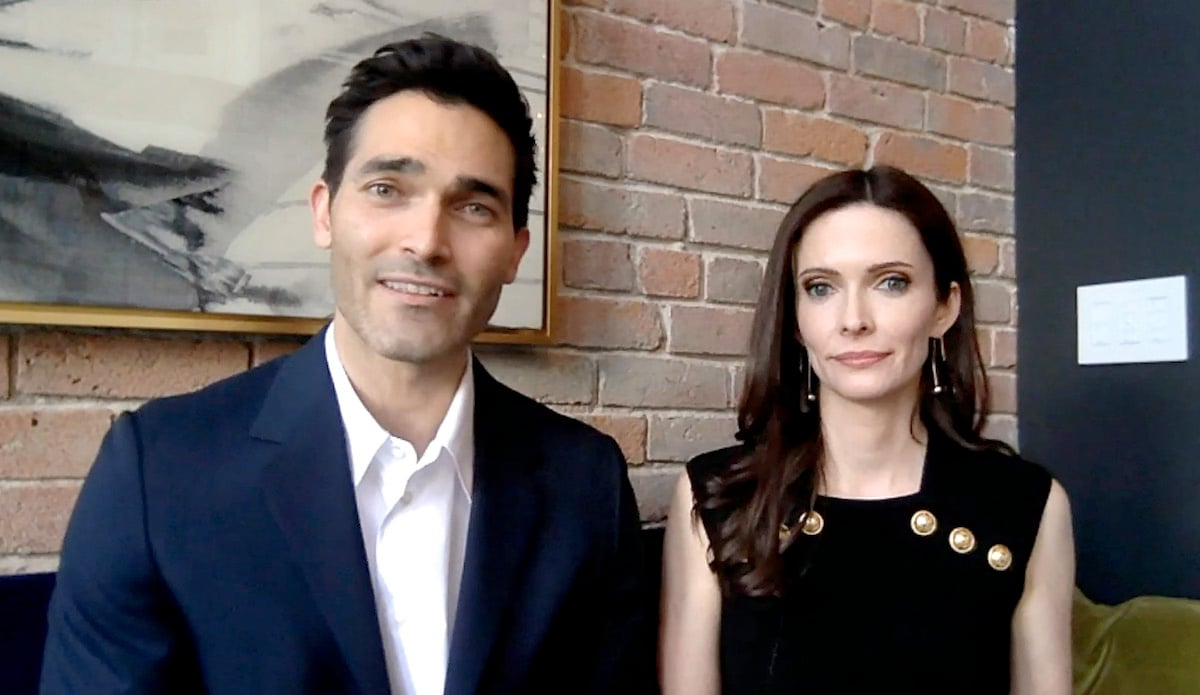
[(156, 157)]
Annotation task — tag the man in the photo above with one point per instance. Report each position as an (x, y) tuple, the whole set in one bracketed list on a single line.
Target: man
[(374, 513)]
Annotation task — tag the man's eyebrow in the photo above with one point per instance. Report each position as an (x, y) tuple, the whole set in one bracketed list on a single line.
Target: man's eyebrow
[(394, 165)]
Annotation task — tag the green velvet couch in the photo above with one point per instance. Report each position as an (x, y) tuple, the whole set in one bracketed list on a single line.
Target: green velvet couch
[(1149, 644)]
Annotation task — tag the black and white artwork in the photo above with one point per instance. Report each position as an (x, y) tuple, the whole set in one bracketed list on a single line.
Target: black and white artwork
[(157, 154)]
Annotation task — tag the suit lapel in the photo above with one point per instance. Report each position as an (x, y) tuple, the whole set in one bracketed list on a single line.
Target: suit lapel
[(310, 493), (506, 507)]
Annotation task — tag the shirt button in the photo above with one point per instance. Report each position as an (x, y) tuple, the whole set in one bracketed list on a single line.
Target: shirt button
[(406, 499)]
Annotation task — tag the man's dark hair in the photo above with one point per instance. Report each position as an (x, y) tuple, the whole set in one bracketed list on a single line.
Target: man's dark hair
[(448, 71)]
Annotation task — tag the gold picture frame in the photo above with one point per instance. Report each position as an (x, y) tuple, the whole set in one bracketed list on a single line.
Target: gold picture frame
[(25, 45)]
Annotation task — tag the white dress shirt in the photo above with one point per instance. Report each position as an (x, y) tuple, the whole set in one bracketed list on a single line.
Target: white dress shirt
[(414, 510)]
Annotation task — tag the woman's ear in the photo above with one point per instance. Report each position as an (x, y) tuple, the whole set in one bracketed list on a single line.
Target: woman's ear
[(947, 311)]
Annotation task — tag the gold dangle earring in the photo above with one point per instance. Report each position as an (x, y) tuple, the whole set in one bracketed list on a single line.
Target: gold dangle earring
[(937, 350), (811, 395)]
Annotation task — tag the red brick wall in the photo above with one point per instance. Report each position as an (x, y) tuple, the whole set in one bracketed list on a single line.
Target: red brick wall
[(688, 125)]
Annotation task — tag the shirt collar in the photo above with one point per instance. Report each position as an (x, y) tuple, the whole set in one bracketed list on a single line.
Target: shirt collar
[(365, 436)]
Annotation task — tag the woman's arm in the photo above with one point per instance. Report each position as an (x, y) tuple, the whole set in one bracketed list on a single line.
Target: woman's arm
[(688, 661), (1042, 622)]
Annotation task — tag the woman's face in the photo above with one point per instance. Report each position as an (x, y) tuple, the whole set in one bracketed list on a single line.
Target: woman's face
[(866, 303)]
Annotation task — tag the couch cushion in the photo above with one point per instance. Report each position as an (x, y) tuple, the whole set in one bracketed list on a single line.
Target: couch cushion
[(1149, 644)]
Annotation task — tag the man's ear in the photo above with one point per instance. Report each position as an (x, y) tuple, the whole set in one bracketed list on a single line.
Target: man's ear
[(319, 200), (520, 246)]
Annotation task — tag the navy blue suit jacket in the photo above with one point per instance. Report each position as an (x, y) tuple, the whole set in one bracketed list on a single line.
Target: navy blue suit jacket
[(215, 547)]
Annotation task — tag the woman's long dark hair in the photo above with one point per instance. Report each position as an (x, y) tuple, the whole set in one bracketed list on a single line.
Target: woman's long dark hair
[(781, 430)]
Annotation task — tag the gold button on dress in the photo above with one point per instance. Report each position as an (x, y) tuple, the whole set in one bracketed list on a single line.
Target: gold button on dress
[(962, 540), (924, 523), (1000, 557)]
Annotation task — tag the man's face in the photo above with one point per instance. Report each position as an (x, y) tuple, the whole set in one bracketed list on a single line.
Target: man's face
[(421, 229)]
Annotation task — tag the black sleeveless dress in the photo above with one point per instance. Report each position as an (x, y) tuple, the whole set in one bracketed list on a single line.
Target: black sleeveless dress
[(908, 594)]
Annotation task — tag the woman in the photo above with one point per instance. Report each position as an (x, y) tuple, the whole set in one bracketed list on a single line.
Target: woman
[(865, 537)]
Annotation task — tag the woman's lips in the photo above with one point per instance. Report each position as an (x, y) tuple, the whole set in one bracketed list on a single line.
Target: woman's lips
[(860, 359)]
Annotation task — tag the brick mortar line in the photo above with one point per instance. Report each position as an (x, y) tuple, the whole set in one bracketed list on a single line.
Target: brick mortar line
[(981, 188), (838, 118), (921, 42), (821, 68), (610, 71), (10, 364), (841, 119), (665, 413), (668, 410), (955, 140), (921, 45), (1006, 23), (874, 135), (801, 159), (600, 351), (67, 403), (873, 131), (663, 244), (759, 257), (657, 28), (640, 186), (659, 356), (711, 91), (690, 360), (690, 139), (826, 73), (661, 301), (618, 72), (702, 248), (718, 198), (725, 360), (600, 293), (31, 483), (718, 47), (882, 130), (851, 58), (739, 23), (17, 482), (245, 339), (1007, 149), (988, 234), (41, 561), (990, 193)]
